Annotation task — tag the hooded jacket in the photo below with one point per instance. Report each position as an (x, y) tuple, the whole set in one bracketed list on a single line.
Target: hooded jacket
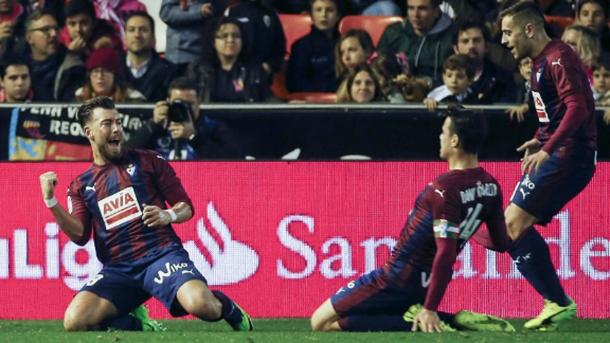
[(426, 53)]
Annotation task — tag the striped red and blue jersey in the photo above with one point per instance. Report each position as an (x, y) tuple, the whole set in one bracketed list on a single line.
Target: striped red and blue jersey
[(109, 201), (563, 99), (447, 213)]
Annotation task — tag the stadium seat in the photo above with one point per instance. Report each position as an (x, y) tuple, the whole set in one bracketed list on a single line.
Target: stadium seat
[(314, 97), (374, 25), (560, 21), (295, 26), (278, 86)]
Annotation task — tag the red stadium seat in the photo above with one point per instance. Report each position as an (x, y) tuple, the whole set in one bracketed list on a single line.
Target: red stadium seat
[(374, 25), (295, 26), (560, 21), (314, 97)]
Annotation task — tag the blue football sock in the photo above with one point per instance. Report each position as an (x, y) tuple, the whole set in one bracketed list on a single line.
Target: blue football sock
[(382, 322), (125, 323), (533, 259), (230, 312)]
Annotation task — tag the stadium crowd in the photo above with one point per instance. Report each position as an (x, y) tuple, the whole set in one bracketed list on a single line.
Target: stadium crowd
[(241, 51)]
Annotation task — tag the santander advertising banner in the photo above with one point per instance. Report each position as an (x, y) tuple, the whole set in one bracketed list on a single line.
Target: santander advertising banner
[(282, 237)]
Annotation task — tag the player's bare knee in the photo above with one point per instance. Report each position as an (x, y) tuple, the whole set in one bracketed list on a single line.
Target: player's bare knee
[(75, 323), (514, 225)]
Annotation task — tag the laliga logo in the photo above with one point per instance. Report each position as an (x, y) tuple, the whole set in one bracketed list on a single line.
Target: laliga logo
[(233, 263)]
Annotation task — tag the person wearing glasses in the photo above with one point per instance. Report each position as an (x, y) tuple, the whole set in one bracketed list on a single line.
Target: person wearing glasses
[(104, 79), (226, 73), (57, 72)]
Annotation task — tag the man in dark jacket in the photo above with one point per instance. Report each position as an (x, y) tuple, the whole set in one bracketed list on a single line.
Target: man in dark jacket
[(56, 72), (143, 68), (425, 36), (192, 136), (492, 83)]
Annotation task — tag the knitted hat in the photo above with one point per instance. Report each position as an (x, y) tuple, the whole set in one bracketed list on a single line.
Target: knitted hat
[(106, 58)]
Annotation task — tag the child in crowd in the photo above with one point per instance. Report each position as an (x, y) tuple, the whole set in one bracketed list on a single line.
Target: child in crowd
[(354, 48), (458, 74), (523, 93), (312, 61), (601, 81)]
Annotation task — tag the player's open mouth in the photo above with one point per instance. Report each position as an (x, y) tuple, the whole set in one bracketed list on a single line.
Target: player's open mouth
[(114, 142)]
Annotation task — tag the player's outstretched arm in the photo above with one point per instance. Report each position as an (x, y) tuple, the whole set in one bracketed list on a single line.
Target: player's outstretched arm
[(70, 225)]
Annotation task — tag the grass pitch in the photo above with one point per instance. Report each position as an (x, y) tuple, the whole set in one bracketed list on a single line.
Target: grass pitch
[(292, 330)]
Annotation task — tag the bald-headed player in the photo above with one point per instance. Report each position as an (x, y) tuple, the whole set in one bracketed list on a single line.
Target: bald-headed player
[(558, 162), (128, 200)]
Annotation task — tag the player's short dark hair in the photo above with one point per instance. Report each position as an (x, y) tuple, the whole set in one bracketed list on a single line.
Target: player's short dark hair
[(469, 125), (75, 7), (460, 61), (183, 82), (12, 61), (86, 109), (602, 3), (467, 24), (524, 12), (141, 14)]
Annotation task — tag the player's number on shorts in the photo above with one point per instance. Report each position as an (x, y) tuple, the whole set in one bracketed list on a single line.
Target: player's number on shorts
[(470, 224)]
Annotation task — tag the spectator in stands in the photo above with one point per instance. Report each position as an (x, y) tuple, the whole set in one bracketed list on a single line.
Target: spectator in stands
[(585, 42), (360, 86), (492, 83), (12, 28), (83, 32), (523, 94), (354, 48), (104, 78), (143, 68), (594, 14), (395, 79), (312, 61), (262, 31), (458, 75), (601, 81), (426, 36), (225, 73), (56, 72), (15, 81), (373, 7), (185, 21), (179, 131)]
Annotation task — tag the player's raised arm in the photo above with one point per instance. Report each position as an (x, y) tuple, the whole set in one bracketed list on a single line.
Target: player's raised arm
[(69, 224)]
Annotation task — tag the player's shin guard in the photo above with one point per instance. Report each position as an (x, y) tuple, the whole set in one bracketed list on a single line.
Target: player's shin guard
[(532, 257), (233, 314)]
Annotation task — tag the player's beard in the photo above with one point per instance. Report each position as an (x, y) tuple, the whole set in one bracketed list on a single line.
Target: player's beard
[(112, 152)]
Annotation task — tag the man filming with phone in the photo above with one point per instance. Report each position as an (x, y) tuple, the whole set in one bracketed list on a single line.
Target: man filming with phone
[(178, 131)]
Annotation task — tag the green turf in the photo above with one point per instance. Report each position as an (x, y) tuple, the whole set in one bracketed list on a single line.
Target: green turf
[(292, 330)]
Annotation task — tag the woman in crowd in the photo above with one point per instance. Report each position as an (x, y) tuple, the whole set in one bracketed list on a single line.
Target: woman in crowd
[(104, 79), (395, 79), (360, 86), (224, 73), (354, 48), (585, 42), (311, 64)]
